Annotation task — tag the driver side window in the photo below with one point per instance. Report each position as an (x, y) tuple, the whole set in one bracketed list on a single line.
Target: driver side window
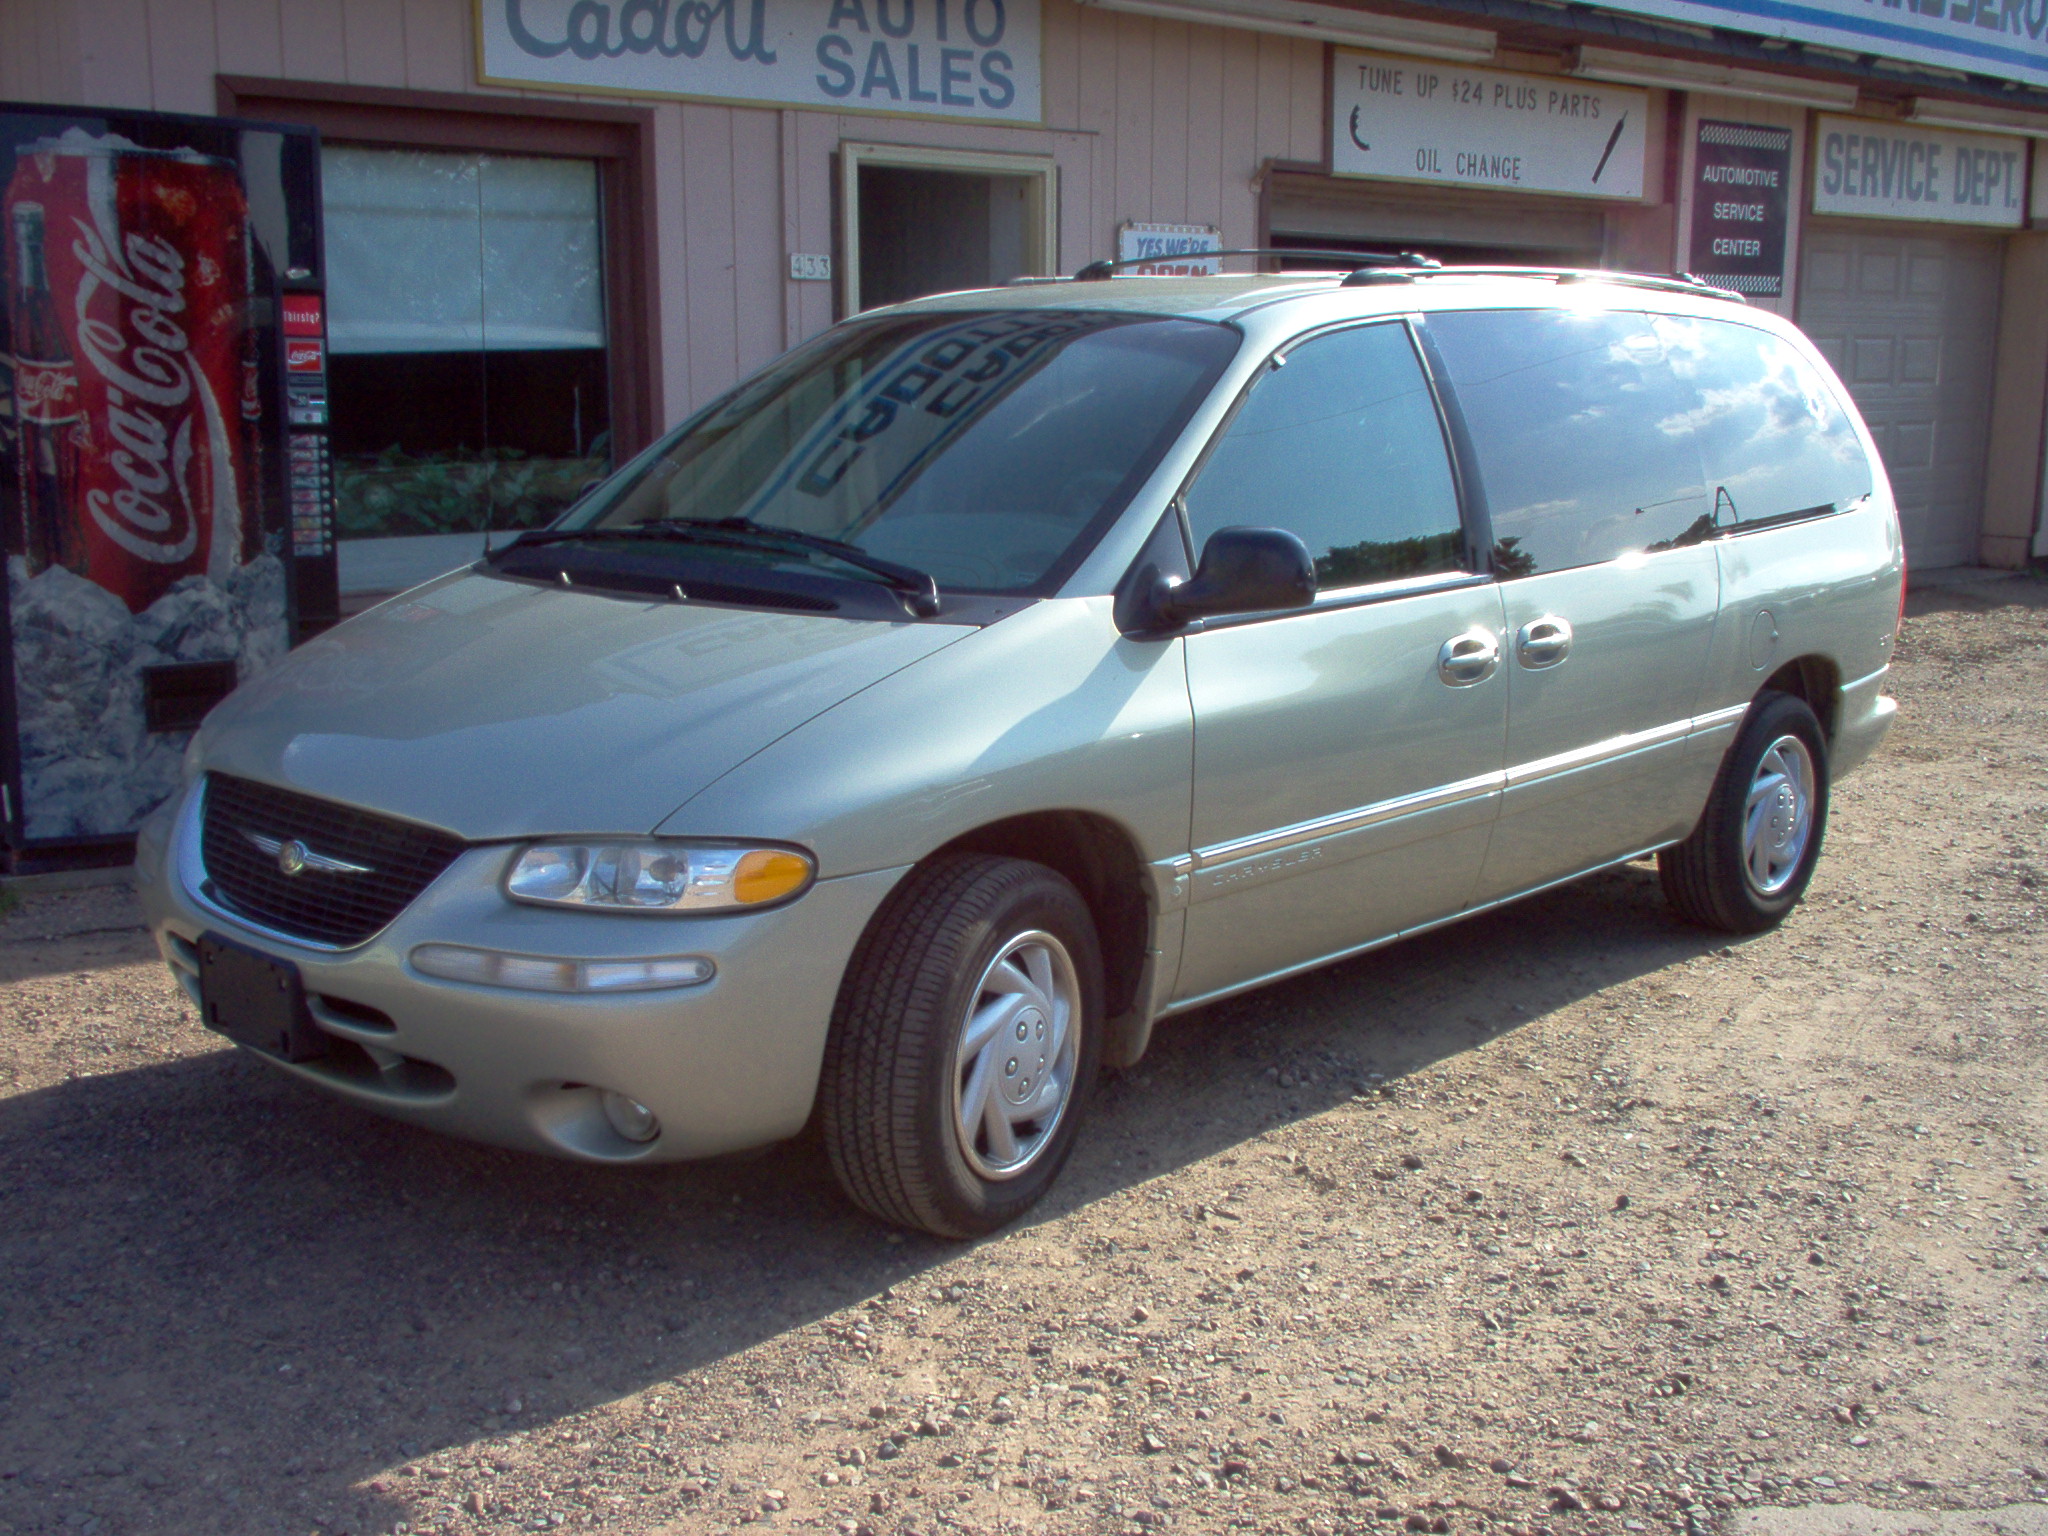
[(1341, 445)]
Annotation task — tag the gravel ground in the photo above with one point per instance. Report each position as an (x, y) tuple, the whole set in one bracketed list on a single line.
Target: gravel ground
[(1569, 1219)]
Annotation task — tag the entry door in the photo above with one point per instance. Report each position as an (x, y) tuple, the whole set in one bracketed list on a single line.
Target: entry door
[(1602, 525), (1910, 322), (1347, 758)]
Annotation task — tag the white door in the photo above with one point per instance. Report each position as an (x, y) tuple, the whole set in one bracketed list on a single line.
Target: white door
[(1910, 322)]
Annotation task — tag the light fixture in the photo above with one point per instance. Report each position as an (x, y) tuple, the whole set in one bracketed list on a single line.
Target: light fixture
[(629, 1117), (1720, 79), (1324, 23), (1931, 112), (544, 973)]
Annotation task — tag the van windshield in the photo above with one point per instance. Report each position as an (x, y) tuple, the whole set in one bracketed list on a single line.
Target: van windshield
[(986, 450)]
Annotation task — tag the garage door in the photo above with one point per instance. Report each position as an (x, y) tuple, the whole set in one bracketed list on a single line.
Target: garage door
[(1911, 322)]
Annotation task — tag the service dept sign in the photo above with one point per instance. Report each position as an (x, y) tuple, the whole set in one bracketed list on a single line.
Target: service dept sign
[(1882, 170), (942, 58), (1413, 120)]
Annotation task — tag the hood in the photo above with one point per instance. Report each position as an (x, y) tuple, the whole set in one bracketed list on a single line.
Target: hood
[(500, 709)]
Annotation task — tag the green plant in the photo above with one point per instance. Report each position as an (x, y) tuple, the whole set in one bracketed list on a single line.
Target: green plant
[(460, 491)]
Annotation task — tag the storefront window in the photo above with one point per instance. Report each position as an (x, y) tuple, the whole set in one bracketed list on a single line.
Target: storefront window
[(468, 370)]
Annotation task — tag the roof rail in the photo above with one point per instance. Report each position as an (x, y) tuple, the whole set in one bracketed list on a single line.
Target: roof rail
[(1679, 282), (1353, 261)]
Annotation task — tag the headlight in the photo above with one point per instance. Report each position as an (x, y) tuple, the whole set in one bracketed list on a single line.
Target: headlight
[(657, 876)]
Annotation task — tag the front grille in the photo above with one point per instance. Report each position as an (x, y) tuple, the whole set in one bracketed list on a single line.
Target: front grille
[(399, 858)]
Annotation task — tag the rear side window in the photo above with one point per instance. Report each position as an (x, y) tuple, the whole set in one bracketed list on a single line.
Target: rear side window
[(1341, 445), (1582, 434), (1772, 432)]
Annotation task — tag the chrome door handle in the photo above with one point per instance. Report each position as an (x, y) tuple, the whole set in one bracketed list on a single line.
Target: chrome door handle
[(1543, 642), (1469, 658)]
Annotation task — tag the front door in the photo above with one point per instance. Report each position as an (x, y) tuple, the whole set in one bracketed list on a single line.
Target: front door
[(1603, 527), (1347, 758)]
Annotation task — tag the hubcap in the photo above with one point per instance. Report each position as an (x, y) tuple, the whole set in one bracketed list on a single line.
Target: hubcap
[(1777, 820), (1013, 1069)]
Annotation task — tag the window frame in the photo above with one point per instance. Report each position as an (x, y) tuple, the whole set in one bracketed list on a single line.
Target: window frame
[(1844, 402), (1477, 567), (1041, 209), (619, 139)]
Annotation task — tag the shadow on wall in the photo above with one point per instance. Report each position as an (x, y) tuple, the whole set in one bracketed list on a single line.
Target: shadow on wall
[(204, 1251)]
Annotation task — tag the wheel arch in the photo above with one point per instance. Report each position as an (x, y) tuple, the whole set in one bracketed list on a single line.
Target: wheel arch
[(1102, 861), (1816, 681)]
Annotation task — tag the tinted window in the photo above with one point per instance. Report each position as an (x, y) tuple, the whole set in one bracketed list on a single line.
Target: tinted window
[(983, 448), (1772, 432), (1342, 446), (1582, 433)]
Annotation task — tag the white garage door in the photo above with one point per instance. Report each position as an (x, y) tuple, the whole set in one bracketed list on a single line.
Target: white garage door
[(1911, 323)]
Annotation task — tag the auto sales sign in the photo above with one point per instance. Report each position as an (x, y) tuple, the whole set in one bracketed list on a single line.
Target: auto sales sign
[(940, 58)]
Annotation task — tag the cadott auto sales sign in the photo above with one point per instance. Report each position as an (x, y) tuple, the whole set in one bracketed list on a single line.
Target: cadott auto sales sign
[(939, 58)]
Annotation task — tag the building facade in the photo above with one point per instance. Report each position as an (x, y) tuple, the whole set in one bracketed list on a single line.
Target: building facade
[(553, 228)]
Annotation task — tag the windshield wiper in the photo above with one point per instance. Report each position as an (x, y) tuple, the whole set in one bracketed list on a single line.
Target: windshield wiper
[(920, 592)]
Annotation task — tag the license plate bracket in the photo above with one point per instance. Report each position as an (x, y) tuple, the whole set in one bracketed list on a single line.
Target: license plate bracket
[(256, 1000)]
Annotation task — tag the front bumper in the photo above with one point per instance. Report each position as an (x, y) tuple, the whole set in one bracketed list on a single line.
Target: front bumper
[(727, 1064)]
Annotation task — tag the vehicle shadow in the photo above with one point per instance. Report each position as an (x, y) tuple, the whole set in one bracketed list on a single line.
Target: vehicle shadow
[(226, 1302)]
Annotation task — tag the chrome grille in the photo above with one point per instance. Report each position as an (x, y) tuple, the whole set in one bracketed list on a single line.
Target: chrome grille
[(356, 871)]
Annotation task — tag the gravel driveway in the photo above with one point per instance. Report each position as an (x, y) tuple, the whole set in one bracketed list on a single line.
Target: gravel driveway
[(1568, 1219)]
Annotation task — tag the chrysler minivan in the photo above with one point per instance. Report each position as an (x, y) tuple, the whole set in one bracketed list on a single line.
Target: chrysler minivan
[(899, 740)]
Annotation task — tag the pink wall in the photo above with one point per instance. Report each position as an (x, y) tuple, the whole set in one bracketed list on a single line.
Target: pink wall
[(1147, 120)]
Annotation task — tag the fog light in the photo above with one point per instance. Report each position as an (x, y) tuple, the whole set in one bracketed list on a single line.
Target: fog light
[(539, 973), (630, 1118)]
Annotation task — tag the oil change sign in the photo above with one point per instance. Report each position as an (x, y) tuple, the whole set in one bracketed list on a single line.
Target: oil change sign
[(1895, 171), (1742, 199), (937, 58), (1414, 120)]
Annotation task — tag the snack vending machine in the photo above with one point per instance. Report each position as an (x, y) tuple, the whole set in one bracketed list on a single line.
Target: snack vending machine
[(164, 481)]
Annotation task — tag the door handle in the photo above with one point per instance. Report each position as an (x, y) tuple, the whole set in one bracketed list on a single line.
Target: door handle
[(1543, 642), (1469, 658)]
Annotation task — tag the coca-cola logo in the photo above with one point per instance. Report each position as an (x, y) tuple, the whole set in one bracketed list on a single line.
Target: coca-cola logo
[(151, 379), (46, 392), (302, 356)]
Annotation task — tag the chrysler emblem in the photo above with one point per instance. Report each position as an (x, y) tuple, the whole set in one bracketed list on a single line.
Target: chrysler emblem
[(295, 858)]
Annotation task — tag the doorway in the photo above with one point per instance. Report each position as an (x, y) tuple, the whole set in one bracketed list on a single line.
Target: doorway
[(921, 221)]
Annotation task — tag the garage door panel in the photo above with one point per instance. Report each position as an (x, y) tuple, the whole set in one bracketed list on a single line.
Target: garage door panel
[(1920, 360), (1910, 322), (1873, 360), (1909, 445), (1877, 273), (1826, 272)]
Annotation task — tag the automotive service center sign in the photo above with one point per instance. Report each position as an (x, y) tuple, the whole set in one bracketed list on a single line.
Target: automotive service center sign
[(939, 58)]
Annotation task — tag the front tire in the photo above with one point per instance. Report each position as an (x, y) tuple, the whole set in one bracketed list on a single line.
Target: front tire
[(1749, 860), (964, 1046)]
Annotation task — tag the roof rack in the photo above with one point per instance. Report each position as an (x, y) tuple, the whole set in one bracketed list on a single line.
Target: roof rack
[(1677, 282), (1353, 261), (1370, 268)]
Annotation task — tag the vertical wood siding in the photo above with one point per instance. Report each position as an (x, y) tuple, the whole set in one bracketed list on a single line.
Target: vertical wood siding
[(1146, 120)]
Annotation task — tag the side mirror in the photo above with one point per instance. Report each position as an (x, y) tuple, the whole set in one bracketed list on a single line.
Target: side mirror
[(1243, 570)]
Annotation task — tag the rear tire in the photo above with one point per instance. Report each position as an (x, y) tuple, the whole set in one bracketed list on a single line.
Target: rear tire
[(1748, 861), (964, 1046)]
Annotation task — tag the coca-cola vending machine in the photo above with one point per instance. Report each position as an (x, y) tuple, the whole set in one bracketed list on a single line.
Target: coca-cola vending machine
[(164, 480)]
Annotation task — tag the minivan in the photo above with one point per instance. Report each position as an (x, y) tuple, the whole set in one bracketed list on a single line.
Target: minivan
[(896, 742)]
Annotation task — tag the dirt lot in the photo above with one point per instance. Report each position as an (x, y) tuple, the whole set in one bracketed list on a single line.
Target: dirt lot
[(1571, 1218)]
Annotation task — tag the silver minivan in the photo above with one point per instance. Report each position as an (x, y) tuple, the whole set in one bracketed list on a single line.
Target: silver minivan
[(897, 741)]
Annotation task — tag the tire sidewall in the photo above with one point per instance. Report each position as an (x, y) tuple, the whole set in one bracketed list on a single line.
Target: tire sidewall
[(1775, 716), (972, 1204)]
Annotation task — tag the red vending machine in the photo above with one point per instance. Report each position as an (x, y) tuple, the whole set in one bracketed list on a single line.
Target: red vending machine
[(164, 479)]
